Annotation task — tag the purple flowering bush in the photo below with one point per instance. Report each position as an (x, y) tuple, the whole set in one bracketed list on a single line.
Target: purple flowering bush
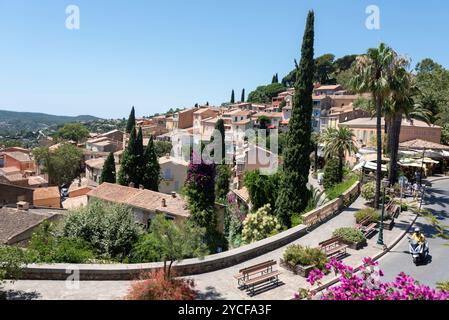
[(367, 285)]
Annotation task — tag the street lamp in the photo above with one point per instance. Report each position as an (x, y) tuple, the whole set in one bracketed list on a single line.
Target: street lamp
[(380, 241)]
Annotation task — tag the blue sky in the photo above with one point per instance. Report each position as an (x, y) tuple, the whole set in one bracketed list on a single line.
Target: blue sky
[(174, 53)]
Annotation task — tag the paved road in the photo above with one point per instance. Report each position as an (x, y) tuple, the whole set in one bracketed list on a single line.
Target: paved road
[(437, 270)]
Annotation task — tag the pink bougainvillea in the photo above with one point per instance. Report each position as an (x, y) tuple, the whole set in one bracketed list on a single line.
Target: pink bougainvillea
[(367, 285)]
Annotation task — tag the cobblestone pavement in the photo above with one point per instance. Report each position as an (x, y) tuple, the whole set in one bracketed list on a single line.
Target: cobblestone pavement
[(218, 284)]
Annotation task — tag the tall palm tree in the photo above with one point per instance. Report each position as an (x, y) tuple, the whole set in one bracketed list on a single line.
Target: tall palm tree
[(401, 104), (338, 143), (373, 72)]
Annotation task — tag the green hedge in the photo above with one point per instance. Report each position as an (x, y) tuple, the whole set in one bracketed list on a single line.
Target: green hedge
[(350, 235), (305, 256), (338, 189), (367, 212)]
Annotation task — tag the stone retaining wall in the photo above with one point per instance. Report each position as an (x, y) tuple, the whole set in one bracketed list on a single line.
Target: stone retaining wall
[(189, 266)]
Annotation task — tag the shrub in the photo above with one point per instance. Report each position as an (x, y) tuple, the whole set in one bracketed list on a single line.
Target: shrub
[(367, 212), (331, 173), (338, 189), (46, 246), (296, 220), (350, 235), (156, 286), (12, 260), (305, 256), (147, 249), (369, 191), (260, 225), (110, 229)]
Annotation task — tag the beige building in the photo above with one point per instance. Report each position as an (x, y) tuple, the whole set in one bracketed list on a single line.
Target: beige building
[(173, 174), (365, 130), (47, 197)]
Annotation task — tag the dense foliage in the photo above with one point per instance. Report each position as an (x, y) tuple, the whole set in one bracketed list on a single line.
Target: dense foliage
[(305, 256), (12, 260), (73, 132), (293, 195), (222, 182), (110, 229), (363, 214), (108, 173), (265, 94), (331, 173), (262, 189), (369, 191), (62, 165), (260, 225), (350, 235)]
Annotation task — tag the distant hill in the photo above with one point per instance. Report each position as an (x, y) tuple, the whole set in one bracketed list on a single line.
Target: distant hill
[(29, 121)]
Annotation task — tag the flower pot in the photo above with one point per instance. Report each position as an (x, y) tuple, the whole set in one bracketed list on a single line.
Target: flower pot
[(358, 245)]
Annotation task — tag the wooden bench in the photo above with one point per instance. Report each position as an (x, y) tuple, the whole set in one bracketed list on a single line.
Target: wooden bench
[(249, 278), (333, 247), (367, 226)]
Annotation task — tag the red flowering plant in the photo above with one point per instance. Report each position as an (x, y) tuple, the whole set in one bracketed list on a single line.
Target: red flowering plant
[(156, 286), (367, 285)]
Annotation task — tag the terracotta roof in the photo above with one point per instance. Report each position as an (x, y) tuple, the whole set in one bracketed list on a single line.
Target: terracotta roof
[(143, 199), (9, 170), (371, 122), (242, 122), (329, 87), (19, 156), (14, 222), (36, 180), (96, 163), (166, 159), (46, 193)]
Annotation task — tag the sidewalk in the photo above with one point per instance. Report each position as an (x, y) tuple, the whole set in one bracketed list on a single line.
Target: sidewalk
[(221, 284)]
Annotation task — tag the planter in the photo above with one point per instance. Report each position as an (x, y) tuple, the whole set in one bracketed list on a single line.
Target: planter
[(389, 225), (303, 271), (357, 246)]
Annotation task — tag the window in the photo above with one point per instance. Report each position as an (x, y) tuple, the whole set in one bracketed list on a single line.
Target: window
[(167, 174)]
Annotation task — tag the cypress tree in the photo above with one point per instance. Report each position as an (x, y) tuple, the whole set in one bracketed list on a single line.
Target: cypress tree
[(130, 162), (108, 173), (243, 95), (273, 80), (293, 193), (222, 182), (139, 144), (131, 121), (150, 169), (232, 96), (220, 127)]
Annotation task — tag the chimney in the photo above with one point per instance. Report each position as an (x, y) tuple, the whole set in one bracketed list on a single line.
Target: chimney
[(173, 194), (164, 203), (141, 187), (23, 206), (132, 185)]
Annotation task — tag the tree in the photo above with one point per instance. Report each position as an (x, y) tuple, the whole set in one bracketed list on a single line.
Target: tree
[(109, 228), (177, 241), (162, 148), (275, 79), (139, 144), (401, 103), (373, 75), (242, 99), (324, 69), (73, 131), (150, 169), (260, 225), (338, 143), (265, 94), (232, 96), (432, 80), (264, 122), (129, 166), (12, 260), (131, 121), (62, 165), (262, 189), (293, 195), (331, 173), (222, 182), (200, 192), (108, 173), (445, 134), (219, 126)]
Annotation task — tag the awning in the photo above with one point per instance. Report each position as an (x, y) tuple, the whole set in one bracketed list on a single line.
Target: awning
[(368, 165)]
